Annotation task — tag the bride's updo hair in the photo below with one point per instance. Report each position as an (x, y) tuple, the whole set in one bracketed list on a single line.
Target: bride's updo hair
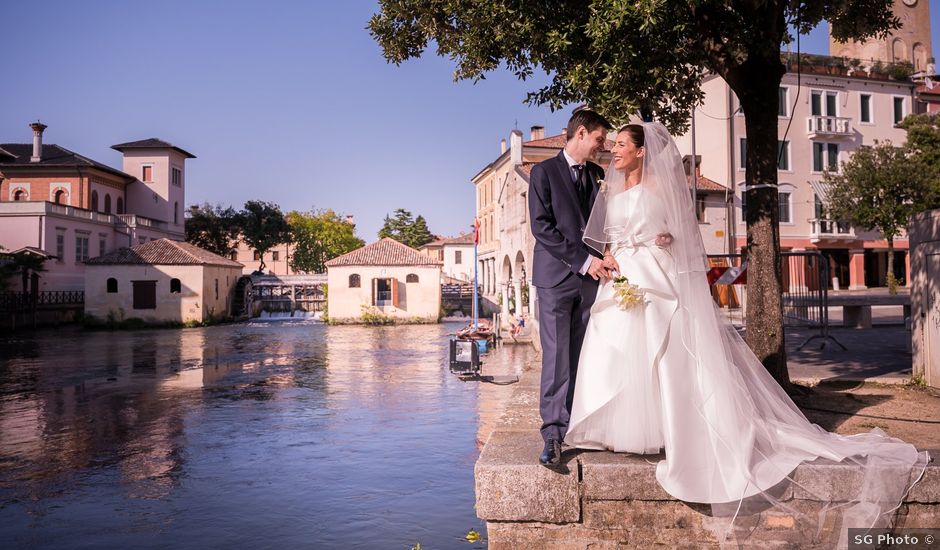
[(637, 136)]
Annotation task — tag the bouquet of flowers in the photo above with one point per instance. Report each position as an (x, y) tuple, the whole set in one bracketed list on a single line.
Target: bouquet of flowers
[(628, 295)]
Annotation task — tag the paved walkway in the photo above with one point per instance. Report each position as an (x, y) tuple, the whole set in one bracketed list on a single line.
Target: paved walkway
[(879, 354)]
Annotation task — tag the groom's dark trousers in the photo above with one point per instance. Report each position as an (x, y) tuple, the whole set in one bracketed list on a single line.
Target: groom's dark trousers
[(565, 296)]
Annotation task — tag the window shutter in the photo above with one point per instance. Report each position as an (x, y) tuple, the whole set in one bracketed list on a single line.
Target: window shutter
[(375, 290), (394, 284)]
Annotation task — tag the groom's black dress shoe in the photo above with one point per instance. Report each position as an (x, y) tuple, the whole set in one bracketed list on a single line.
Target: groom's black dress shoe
[(551, 454)]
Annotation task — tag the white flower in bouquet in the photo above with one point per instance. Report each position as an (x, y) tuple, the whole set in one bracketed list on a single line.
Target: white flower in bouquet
[(628, 295)]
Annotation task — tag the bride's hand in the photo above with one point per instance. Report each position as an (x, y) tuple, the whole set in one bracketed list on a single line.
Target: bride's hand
[(663, 240), (611, 264)]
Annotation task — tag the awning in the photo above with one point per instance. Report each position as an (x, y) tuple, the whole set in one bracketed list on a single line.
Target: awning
[(821, 189)]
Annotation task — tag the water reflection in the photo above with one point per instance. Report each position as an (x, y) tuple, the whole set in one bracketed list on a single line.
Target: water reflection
[(272, 434)]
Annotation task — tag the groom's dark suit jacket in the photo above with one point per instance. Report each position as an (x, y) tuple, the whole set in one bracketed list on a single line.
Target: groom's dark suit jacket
[(557, 222), (564, 296)]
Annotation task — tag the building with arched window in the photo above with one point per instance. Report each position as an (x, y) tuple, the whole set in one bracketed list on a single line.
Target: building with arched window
[(161, 281), (384, 278), (64, 202)]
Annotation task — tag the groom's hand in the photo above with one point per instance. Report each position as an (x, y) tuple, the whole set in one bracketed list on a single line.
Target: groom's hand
[(597, 269)]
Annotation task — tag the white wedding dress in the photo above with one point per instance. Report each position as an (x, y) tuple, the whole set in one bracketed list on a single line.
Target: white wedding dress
[(673, 375)]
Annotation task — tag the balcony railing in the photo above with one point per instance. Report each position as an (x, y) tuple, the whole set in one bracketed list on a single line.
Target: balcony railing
[(828, 126), (133, 220), (828, 230)]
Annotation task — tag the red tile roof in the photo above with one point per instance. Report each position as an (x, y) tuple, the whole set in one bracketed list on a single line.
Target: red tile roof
[(706, 184), (163, 252), (558, 142), (383, 252)]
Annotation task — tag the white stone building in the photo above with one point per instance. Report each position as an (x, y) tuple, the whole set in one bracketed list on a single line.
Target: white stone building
[(384, 278), (456, 255), (161, 281)]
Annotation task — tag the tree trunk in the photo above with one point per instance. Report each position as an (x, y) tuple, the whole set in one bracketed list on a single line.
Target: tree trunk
[(756, 83), (889, 276)]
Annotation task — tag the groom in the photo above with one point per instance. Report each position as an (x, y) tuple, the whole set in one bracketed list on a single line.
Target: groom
[(565, 271)]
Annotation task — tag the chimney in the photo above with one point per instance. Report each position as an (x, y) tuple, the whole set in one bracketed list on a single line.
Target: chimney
[(350, 219), (502, 146), (515, 147), (38, 128), (538, 132)]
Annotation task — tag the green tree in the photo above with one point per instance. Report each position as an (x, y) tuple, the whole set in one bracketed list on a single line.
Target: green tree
[(419, 234), (263, 227), (212, 227), (397, 227), (652, 54), (403, 228), (320, 236), (923, 138), (880, 188)]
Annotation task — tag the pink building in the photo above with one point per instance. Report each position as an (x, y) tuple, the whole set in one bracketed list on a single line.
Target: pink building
[(73, 208)]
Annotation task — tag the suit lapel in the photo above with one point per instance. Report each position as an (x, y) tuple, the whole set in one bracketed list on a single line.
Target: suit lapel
[(563, 176)]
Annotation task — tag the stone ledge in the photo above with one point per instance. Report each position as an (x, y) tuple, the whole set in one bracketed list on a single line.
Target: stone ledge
[(608, 500), (512, 486)]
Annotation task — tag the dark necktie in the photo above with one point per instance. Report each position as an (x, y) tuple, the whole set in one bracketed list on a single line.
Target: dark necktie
[(584, 192)]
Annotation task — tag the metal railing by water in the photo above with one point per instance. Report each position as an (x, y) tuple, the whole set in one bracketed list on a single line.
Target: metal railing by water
[(25, 301)]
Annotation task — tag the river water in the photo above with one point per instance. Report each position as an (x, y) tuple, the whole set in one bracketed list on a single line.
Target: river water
[(261, 435)]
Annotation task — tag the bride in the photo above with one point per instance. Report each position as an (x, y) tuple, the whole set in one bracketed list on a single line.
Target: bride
[(668, 372)]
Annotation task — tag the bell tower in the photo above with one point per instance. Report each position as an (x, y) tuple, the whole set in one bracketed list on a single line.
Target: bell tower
[(910, 43)]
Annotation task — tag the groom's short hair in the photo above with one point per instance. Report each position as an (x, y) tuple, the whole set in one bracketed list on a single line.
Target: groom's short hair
[(587, 118)]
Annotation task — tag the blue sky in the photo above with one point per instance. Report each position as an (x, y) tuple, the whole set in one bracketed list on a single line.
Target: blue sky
[(285, 101)]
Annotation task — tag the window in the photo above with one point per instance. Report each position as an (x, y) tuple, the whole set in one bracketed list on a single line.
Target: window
[(216, 289), (832, 150), (743, 205), (107, 203), (824, 103), (120, 205), (146, 173), (233, 255), (275, 256), (60, 245), (818, 209), (257, 256), (816, 103), (176, 177), (94, 201), (102, 245), (825, 157), (354, 281), (700, 207), (112, 285), (783, 105), (783, 155), (176, 213), (458, 257), (783, 199), (81, 248), (742, 153), (865, 108), (20, 195), (411, 278), (818, 149), (898, 110), (175, 286), (60, 197), (145, 294)]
